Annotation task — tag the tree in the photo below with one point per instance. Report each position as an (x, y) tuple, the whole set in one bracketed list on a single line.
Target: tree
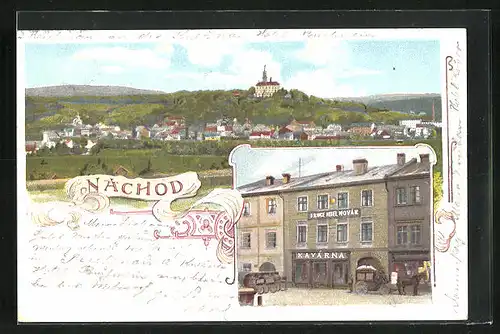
[(62, 149), (437, 188), (148, 170), (97, 148), (83, 141)]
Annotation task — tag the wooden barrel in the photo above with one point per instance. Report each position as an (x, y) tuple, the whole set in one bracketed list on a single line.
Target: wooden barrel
[(246, 296)]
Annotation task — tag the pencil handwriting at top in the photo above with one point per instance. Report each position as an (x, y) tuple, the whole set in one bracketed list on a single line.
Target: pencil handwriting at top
[(123, 258), (37, 34), (205, 34)]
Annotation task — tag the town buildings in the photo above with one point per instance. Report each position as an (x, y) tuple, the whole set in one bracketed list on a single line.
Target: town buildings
[(361, 129), (409, 203), (260, 239), (265, 87), (334, 222)]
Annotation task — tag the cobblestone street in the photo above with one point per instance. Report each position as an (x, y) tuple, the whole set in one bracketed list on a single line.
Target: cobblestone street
[(295, 296)]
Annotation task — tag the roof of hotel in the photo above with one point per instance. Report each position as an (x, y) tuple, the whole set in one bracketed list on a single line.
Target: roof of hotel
[(337, 178)]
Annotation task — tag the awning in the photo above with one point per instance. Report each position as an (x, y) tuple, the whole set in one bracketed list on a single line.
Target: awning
[(411, 257)]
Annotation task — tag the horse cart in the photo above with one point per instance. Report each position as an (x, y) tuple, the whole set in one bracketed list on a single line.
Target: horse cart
[(413, 277), (371, 279), (262, 281)]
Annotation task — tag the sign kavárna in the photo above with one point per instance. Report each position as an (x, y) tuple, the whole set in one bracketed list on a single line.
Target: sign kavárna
[(322, 255)]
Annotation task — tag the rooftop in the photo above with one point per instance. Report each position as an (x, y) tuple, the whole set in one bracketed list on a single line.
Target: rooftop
[(337, 178), (268, 83)]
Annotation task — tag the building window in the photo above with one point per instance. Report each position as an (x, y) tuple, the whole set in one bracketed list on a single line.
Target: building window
[(343, 200), (402, 235), (246, 267), (415, 195), (322, 202), (409, 234), (319, 271), (246, 240), (400, 196), (322, 235), (302, 203), (246, 209), (301, 272), (367, 198), (271, 206), (415, 235), (301, 233), (342, 231), (366, 230), (271, 239)]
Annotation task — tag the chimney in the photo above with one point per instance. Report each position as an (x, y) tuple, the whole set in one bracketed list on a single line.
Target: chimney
[(269, 180), (271, 79), (401, 159), (360, 166), (339, 168), (424, 158), (286, 178)]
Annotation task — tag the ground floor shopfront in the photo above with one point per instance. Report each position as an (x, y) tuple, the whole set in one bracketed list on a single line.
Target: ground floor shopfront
[(320, 268), (406, 263), (332, 268)]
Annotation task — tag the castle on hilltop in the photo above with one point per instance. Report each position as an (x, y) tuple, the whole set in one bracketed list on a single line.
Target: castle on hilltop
[(266, 88)]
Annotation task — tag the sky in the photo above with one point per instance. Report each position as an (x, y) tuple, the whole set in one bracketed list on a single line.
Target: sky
[(324, 69), (255, 164)]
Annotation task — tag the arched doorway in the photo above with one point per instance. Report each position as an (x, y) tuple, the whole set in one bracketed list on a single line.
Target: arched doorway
[(267, 266), (369, 274)]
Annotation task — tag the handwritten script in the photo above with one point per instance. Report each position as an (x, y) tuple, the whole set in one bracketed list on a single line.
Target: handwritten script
[(116, 257), (197, 35), (458, 276), (454, 64)]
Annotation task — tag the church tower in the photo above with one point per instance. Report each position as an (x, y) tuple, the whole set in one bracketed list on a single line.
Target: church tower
[(264, 74)]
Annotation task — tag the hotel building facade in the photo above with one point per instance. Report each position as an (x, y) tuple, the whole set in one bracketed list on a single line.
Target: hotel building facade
[(332, 223)]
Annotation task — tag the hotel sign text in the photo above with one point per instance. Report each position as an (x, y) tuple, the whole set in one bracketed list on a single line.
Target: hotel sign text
[(322, 255), (343, 213)]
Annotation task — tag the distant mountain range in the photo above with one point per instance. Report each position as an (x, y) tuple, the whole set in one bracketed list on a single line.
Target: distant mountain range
[(406, 103), (388, 97), (87, 90)]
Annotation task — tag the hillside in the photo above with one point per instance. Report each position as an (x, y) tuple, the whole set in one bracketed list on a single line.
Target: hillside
[(199, 107), (402, 102), (388, 97), (417, 105), (85, 90)]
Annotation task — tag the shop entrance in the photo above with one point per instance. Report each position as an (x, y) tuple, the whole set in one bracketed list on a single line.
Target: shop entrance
[(321, 269), (339, 273), (319, 274)]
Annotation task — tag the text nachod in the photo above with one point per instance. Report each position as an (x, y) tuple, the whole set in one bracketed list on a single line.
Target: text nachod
[(145, 189)]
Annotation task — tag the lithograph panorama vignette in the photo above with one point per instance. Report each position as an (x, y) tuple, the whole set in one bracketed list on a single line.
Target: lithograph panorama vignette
[(344, 227)]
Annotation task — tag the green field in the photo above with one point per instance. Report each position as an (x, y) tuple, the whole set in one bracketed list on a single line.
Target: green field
[(174, 157), (136, 162)]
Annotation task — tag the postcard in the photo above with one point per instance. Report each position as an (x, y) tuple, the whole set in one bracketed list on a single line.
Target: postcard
[(242, 175)]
